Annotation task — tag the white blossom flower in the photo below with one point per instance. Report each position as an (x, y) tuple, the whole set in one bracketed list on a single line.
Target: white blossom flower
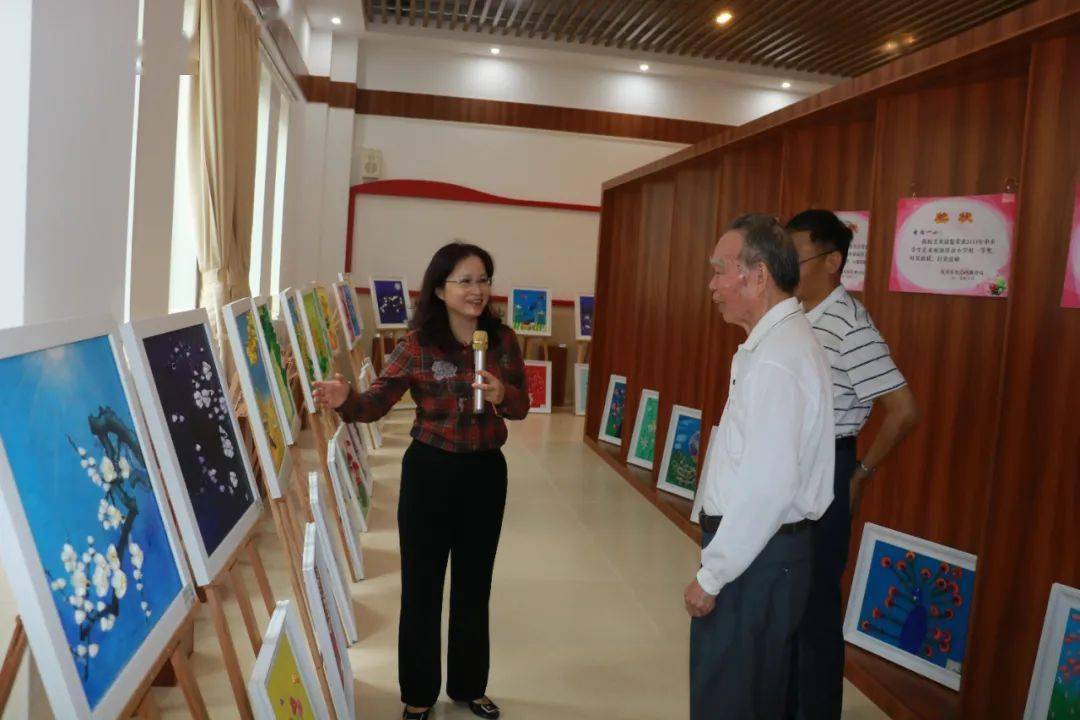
[(81, 650), (101, 580), (79, 582), (108, 470), (92, 461), (107, 623), (136, 553), (87, 606), (82, 452), (119, 583), (227, 446), (207, 372), (113, 557), (125, 468), (233, 479), (58, 584), (116, 518), (80, 616), (100, 606), (144, 605), (68, 557), (92, 650), (139, 587)]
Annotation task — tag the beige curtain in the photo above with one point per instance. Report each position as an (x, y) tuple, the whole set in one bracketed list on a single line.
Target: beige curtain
[(225, 121)]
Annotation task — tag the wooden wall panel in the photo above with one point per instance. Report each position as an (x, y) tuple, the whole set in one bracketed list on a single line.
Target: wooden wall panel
[(941, 142), (828, 166), (1031, 538)]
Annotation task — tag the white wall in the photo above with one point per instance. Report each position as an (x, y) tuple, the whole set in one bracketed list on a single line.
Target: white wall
[(532, 246), (462, 70), (15, 20)]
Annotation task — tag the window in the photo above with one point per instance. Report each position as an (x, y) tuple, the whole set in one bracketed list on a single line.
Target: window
[(184, 259)]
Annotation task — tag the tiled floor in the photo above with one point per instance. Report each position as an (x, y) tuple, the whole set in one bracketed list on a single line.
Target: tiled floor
[(587, 613)]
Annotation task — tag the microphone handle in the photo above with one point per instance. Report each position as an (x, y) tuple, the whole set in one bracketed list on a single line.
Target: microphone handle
[(478, 394)]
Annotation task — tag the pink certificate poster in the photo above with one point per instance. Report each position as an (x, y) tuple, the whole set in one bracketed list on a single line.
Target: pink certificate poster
[(1070, 297), (854, 276), (954, 245)]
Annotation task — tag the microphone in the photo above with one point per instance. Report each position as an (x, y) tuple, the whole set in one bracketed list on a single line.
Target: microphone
[(479, 352)]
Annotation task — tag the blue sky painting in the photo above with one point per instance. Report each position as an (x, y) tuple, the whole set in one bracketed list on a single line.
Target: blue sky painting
[(530, 310), (82, 480), (586, 303), (197, 414), (391, 301)]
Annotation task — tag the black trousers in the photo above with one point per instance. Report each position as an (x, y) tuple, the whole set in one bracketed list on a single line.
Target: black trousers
[(740, 652), (816, 690), (450, 507)]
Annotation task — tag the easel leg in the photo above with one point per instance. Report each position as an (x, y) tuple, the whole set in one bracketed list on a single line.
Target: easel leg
[(148, 708), (192, 696), (260, 577), (12, 660), (239, 589), (228, 652)]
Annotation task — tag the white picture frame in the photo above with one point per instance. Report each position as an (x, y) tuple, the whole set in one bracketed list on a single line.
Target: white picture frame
[(382, 320), (284, 401), (338, 584), (353, 438), (871, 535), (1062, 613), (284, 626), (332, 650), (545, 365), (302, 348), (30, 584), (581, 333), (351, 485), (613, 391), (352, 339), (277, 476), (514, 316), (678, 413), (205, 566), (631, 452), (581, 388)]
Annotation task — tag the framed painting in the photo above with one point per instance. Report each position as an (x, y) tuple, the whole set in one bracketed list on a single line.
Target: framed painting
[(333, 648), (678, 469), (390, 299), (538, 383), (196, 434), (274, 360), (910, 603), (1055, 683), (330, 318), (241, 325), (283, 682), (581, 388), (302, 349), (87, 540), (583, 316), (349, 514), (611, 421), (330, 549), (529, 311), (643, 439), (357, 456), (351, 476), (311, 318), (346, 304)]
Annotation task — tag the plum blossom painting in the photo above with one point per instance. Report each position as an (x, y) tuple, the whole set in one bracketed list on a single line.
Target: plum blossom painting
[(283, 683), (390, 297), (530, 311), (202, 455), (1055, 683), (910, 603), (88, 545), (240, 324)]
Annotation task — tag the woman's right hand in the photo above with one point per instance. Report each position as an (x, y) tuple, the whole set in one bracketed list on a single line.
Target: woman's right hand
[(329, 395)]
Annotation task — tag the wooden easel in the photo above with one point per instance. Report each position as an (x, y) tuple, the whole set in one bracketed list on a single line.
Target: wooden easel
[(531, 341), (141, 704), (583, 348)]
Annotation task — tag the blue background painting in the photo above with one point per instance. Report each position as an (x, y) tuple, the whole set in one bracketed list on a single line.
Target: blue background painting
[(350, 310), (613, 426), (586, 303), (530, 310), (260, 382), (918, 603), (682, 464), (197, 414), (391, 301), (82, 479), (1065, 698)]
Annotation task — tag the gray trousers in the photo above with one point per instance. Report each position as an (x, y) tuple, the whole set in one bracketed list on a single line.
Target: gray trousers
[(740, 653)]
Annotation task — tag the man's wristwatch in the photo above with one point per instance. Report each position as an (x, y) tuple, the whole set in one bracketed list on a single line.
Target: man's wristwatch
[(867, 471)]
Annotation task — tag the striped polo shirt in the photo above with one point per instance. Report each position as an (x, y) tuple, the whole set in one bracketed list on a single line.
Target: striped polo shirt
[(862, 368)]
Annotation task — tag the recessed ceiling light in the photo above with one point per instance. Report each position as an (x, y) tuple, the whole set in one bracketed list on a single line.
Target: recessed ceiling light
[(495, 51), (644, 67), (785, 84), (909, 39), (891, 46), (335, 20), (723, 18)]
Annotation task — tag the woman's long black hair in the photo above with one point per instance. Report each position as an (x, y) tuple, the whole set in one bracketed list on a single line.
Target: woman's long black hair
[(430, 317)]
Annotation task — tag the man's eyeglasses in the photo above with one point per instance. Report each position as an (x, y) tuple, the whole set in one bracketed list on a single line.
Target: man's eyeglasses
[(814, 257), (480, 283)]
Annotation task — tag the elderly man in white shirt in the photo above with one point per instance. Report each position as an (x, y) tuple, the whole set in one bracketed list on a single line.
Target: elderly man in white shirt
[(769, 476)]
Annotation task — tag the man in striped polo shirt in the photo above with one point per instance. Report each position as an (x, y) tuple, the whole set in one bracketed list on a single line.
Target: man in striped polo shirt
[(863, 373)]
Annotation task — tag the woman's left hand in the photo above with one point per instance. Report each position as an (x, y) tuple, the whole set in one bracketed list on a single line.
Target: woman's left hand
[(494, 390)]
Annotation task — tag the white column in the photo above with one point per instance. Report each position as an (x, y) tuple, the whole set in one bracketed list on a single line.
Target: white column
[(15, 21), (338, 164)]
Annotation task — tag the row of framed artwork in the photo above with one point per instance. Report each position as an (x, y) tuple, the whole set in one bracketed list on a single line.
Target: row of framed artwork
[(528, 308), (101, 579), (910, 598)]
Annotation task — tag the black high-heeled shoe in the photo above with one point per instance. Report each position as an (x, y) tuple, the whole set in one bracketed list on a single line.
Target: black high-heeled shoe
[(423, 715), (484, 709)]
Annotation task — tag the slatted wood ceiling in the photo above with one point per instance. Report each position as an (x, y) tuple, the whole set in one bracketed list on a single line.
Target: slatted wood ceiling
[(842, 37)]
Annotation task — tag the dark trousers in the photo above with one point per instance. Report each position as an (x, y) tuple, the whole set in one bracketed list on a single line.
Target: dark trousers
[(451, 507), (740, 652), (817, 685)]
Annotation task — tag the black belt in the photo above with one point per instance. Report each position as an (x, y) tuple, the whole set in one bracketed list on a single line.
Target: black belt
[(845, 443), (711, 523)]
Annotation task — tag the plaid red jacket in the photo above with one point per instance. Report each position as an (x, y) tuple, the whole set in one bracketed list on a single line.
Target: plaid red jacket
[(441, 385)]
